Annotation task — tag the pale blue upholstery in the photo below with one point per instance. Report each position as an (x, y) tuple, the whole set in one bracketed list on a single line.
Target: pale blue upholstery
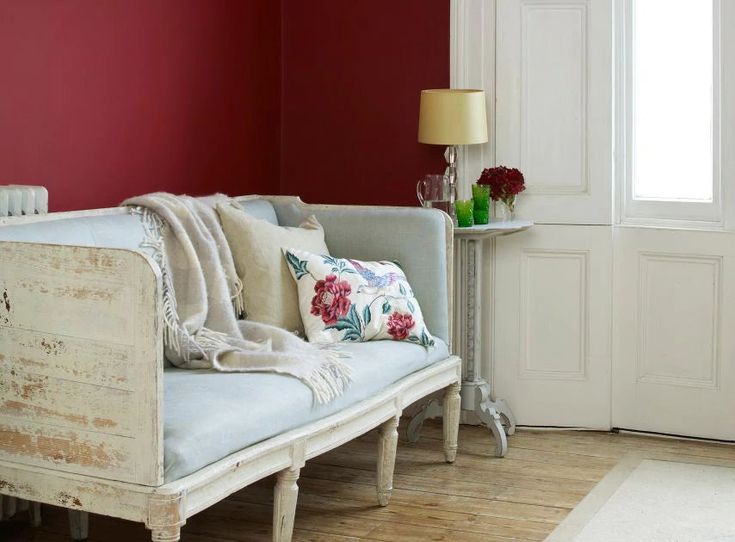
[(122, 230), (260, 208), (413, 236), (119, 230), (209, 415)]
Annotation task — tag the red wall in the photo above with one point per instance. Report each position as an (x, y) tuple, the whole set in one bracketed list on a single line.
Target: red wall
[(353, 71), (101, 100)]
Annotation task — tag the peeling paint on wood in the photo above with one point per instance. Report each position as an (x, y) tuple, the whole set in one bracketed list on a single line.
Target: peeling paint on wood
[(80, 382), (16, 407), (104, 423), (51, 346), (7, 486), (68, 501), (70, 358), (66, 450)]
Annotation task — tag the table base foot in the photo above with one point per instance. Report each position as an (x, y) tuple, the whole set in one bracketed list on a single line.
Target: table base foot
[(483, 410)]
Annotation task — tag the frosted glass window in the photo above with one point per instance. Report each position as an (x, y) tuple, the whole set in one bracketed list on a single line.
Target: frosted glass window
[(672, 100)]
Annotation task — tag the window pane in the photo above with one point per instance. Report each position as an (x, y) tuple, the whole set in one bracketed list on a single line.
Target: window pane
[(673, 99)]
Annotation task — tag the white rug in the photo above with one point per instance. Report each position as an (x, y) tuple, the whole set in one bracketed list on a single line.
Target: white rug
[(654, 500)]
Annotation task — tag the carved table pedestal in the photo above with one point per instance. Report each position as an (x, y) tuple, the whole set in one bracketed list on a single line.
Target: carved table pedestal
[(478, 403)]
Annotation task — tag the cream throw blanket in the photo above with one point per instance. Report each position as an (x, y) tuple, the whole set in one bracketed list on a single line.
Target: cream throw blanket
[(201, 297)]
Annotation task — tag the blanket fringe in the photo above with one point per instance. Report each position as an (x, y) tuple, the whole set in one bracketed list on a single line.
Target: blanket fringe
[(210, 340), (238, 297), (330, 379), (174, 334)]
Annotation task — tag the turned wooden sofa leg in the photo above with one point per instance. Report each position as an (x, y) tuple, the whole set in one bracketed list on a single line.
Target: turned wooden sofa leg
[(166, 516), (8, 507), (452, 406), (387, 446), (285, 496), (78, 525), (170, 534), (35, 514)]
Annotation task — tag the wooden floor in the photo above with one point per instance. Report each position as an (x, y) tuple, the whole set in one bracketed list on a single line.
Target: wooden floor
[(480, 498)]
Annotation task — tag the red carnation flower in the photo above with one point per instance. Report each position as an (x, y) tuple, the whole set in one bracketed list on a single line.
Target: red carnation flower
[(399, 325), (505, 183), (331, 300)]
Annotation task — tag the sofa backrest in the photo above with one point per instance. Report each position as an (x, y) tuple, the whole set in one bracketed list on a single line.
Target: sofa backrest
[(378, 234), (416, 239), (105, 228)]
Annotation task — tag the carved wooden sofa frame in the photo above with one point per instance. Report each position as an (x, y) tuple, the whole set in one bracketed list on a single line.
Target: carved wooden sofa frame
[(81, 331)]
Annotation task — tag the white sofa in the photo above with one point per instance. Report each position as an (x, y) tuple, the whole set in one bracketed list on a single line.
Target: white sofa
[(93, 419)]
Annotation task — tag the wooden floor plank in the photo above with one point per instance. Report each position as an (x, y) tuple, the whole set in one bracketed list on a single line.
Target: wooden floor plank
[(468, 488), (435, 511), (481, 498)]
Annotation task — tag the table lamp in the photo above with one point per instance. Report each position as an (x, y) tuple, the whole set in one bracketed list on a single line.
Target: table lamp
[(451, 117)]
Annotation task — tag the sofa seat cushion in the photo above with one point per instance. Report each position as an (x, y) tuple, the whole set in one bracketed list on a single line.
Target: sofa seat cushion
[(209, 415)]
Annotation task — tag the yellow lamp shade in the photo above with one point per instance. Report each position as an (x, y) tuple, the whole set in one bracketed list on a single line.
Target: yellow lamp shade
[(452, 117)]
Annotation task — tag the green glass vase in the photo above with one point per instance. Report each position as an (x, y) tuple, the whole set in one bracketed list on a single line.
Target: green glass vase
[(481, 199), (463, 208)]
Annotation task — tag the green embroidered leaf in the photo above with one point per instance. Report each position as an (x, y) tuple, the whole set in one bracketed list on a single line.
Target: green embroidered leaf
[(298, 266), (386, 307), (366, 315), (352, 335), (354, 318), (425, 340), (411, 307), (401, 289), (341, 325)]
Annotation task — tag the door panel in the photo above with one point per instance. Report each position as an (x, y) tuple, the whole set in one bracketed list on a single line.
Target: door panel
[(554, 106), (672, 367), (552, 325)]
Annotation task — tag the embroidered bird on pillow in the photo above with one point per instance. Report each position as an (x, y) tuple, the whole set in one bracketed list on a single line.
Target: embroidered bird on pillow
[(375, 282)]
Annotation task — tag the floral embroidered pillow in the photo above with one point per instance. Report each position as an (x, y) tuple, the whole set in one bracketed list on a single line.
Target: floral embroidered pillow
[(351, 300)]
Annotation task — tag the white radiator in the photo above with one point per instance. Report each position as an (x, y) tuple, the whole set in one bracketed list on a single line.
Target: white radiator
[(18, 200)]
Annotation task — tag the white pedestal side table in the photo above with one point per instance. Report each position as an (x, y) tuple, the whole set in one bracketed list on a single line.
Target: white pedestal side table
[(478, 403)]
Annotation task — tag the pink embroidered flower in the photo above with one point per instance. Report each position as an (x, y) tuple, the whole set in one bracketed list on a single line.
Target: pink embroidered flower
[(399, 325), (331, 300)]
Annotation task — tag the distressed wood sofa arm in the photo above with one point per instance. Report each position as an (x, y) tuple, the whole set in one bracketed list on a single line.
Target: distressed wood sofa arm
[(81, 364)]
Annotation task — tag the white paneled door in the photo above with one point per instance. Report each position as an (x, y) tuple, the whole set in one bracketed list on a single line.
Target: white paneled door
[(673, 321), (596, 324), (554, 91), (552, 325)]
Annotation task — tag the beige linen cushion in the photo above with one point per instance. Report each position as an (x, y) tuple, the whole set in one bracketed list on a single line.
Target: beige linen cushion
[(270, 295)]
